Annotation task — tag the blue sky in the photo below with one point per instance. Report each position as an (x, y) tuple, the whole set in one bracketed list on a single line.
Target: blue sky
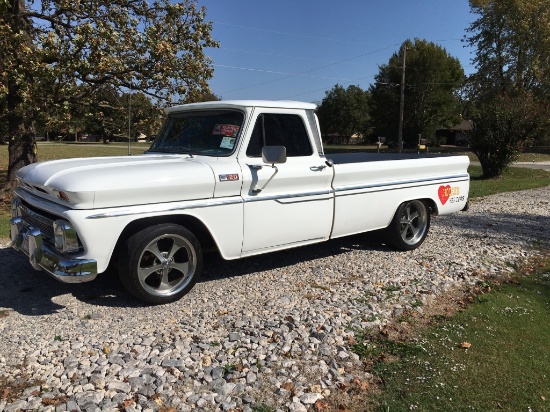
[(298, 49)]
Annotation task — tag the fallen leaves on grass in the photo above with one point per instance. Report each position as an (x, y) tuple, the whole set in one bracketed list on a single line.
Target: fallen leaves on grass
[(363, 385)]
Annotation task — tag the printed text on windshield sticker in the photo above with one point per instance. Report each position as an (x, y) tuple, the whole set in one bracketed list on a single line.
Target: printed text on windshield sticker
[(229, 130)]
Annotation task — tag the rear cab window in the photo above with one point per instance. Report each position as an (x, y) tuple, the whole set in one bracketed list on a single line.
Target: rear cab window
[(280, 129)]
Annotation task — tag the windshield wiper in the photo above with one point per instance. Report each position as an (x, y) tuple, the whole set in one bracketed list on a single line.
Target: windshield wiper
[(170, 151)]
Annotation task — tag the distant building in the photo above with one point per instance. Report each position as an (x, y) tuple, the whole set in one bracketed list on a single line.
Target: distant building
[(457, 135)]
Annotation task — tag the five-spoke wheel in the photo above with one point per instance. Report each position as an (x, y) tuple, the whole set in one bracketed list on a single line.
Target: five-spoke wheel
[(409, 226), (160, 264)]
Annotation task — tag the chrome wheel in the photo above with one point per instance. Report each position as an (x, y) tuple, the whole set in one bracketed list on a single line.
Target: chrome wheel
[(166, 265), (409, 226), (413, 222), (160, 264)]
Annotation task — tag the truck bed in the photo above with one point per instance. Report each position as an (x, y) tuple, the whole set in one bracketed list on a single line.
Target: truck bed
[(359, 157)]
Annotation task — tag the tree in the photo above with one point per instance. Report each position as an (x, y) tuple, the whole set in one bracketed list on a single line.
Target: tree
[(55, 53), (344, 112), (433, 78), (109, 115), (512, 39), (205, 97), (507, 98), (501, 126)]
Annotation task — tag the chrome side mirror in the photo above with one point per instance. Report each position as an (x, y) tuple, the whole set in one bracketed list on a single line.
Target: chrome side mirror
[(274, 154)]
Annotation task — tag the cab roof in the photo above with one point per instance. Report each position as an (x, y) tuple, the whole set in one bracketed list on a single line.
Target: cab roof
[(241, 104)]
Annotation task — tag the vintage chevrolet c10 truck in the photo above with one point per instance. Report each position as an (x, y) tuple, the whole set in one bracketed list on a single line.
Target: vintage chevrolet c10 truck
[(244, 177)]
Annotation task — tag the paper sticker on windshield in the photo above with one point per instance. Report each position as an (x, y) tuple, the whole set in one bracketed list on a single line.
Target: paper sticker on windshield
[(228, 143), (229, 130)]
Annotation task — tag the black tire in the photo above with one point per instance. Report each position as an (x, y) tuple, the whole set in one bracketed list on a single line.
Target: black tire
[(409, 226), (161, 263)]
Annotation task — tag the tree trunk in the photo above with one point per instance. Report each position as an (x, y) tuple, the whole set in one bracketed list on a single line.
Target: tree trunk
[(21, 152), (21, 134)]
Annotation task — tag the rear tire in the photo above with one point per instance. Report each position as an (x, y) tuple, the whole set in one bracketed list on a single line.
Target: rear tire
[(409, 226), (160, 264)]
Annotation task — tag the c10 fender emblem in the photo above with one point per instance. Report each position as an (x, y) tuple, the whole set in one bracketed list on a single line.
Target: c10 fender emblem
[(229, 178)]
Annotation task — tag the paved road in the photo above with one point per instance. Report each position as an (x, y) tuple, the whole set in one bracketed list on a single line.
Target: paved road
[(533, 165), (527, 165)]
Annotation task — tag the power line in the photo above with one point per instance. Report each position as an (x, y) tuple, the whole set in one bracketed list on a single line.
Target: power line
[(311, 70), (285, 56), (289, 75), (324, 88), (276, 72), (292, 34)]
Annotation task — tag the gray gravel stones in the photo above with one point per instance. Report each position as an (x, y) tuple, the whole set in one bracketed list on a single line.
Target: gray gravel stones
[(273, 329)]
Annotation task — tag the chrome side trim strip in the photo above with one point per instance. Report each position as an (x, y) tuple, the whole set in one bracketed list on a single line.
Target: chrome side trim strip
[(443, 179), (141, 210), (289, 196)]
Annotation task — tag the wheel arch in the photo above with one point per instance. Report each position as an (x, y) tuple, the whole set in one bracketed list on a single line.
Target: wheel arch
[(192, 223), (431, 204), (408, 232)]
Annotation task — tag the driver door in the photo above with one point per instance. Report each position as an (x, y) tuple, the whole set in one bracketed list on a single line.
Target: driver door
[(295, 207)]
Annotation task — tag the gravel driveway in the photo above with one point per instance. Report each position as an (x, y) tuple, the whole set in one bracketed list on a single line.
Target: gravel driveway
[(248, 327)]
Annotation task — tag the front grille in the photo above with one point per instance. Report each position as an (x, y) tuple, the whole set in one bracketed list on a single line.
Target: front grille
[(42, 223)]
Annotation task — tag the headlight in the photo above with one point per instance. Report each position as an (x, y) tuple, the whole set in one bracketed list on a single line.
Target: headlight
[(65, 237), (15, 208)]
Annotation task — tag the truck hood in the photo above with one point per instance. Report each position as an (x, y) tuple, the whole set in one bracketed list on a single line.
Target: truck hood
[(103, 182)]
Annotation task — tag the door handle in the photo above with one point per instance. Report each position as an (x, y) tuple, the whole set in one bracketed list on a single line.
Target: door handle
[(317, 168)]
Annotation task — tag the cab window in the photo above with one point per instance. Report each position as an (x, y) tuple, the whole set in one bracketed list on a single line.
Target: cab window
[(286, 130)]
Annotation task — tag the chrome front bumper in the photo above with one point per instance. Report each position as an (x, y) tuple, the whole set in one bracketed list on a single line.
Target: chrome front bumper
[(30, 241)]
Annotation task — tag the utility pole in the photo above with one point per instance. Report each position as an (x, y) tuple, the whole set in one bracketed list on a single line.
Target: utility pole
[(402, 102), (129, 117)]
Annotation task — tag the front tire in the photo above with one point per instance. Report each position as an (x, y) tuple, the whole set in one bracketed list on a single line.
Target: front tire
[(160, 264), (409, 226)]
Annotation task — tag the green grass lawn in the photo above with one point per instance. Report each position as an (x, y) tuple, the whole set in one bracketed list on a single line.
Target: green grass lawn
[(515, 178), (493, 356)]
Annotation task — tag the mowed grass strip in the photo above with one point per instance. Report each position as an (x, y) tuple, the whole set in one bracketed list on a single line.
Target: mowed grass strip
[(493, 356), (515, 178)]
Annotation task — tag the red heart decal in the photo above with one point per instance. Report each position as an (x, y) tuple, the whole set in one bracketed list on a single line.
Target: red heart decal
[(444, 192)]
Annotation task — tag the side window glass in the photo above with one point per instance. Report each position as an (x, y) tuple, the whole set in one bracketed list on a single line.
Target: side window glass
[(286, 130)]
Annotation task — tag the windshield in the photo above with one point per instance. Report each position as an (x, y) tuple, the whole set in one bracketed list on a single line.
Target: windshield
[(208, 132)]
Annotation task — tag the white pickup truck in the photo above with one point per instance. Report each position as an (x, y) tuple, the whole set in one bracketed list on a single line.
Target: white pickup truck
[(244, 177)]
